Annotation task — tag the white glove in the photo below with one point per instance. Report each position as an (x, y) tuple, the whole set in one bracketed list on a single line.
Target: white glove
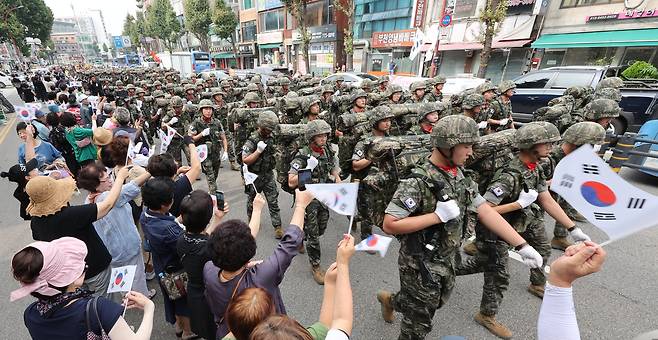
[(205, 132), (578, 235), (482, 125), (504, 121), (225, 156), (447, 210), (311, 163), (531, 257), (173, 120), (526, 198), (261, 146)]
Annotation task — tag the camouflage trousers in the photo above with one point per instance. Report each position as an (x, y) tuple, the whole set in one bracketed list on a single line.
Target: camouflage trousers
[(266, 184), (418, 302), (559, 230), (232, 148), (210, 168), (315, 223), (175, 148), (535, 235), (492, 260), (362, 217)]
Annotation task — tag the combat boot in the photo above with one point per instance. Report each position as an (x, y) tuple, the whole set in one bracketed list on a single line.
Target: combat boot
[(496, 328), (470, 248), (560, 243), (384, 297), (278, 233), (235, 166), (536, 290), (318, 275)]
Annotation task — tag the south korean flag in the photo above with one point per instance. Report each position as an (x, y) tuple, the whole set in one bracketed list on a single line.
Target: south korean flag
[(602, 196)]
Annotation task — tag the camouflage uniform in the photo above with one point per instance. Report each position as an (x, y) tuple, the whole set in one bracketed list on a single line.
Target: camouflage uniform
[(211, 165), (263, 167), (432, 95), (176, 145), (417, 85), (501, 109), (317, 215)]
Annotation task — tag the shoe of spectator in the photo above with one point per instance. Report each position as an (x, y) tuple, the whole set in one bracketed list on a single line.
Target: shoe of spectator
[(384, 297), (536, 290), (318, 275), (190, 337), (496, 328), (150, 275), (152, 293), (235, 166), (560, 243), (278, 233), (470, 248)]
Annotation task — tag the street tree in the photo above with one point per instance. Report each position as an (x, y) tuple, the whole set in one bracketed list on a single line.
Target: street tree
[(198, 20), (161, 23), (225, 21), (491, 16), (347, 7), (105, 49), (130, 30), (297, 8), (22, 19)]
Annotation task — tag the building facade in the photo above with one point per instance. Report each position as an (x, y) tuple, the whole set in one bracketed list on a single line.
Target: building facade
[(248, 28), (600, 32)]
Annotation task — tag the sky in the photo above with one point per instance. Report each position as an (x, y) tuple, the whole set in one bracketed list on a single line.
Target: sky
[(114, 11)]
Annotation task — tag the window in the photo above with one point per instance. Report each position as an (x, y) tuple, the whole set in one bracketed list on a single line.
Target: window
[(401, 24), (637, 54), (567, 79), (318, 14), (248, 30), (389, 25), (272, 20), (247, 4), (536, 80), (583, 3), (391, 5), (465, 8)]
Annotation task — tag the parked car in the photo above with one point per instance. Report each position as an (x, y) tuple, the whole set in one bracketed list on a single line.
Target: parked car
[(351, 78), (460, 83), (535, 89), (218, 74), (5, 80)]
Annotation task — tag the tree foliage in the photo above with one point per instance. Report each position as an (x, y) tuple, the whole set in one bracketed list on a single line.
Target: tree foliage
[(224, 23), (34, 19), (347, 7), (198, 20), (298, 10), (161, 23), (641, 70), (493, 14)]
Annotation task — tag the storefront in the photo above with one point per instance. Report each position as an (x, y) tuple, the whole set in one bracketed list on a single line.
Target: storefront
[(270, 48), (392, 46), (322, 49), (576, 32), (223, 57), (247, 54)]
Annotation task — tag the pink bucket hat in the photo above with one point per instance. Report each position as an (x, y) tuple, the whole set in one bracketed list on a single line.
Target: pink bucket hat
[(63, 263)]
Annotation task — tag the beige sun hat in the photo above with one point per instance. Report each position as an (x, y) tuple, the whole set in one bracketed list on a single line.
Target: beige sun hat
[(48, 195)]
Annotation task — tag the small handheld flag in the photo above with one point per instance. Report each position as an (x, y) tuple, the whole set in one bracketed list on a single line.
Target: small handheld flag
[(339, 197), (249, 177), (202, 151), (375, 242), (121, 279), (164, 141), (25, 114)]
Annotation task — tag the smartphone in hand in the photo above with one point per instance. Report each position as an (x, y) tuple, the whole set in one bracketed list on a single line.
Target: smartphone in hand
[(219, 196), (304, 177)]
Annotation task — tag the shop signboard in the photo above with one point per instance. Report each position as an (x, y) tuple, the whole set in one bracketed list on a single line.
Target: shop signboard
[(403, 38), (324, 33)]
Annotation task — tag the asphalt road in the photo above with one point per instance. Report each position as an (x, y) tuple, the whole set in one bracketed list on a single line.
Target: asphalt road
[(617, 303)]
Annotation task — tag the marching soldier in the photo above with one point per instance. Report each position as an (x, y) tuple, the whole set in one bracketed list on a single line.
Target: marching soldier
[(435, 94), (208, 130), (501, 116), (417, 89), (178, 121)]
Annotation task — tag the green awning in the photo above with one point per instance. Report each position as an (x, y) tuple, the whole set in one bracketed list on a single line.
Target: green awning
[(621, 38), (266, 46), (224, 55)]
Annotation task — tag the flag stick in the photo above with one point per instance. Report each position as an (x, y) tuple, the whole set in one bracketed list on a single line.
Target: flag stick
[(253, 185), (176, 132), (606, 243), (125, 306), (349, 228)]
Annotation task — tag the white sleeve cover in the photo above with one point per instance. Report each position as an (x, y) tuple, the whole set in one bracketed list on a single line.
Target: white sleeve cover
[(557, 316)]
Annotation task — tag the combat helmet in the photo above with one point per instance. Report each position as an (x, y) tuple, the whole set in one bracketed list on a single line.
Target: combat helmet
[(251, 97), (506, 86), (438, 80), (358, 94), (472, 100), (612, 82), (268, 120), (453, 130), (308, 102), (393, 89), (584, 133), (252, 87), (601, 108), (417, 85), (328, 88), (317, 127), (205, 103), (379, 114), (366, 84), (608, 93), (176, 101), (486, 86), (158, 94), (284, 81), (536, 133)]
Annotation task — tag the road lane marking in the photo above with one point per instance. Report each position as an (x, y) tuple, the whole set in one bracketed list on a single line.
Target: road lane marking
[(7, 129)]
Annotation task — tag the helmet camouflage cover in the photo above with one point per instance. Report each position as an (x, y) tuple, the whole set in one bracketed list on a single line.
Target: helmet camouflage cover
[(358, 94), (417, 85), (584, 133), (608, 93), (453, 130), (601, 108), (486, 86), (176, 101), (506, 86), (251, 97), (393, 89), (268, 120), (205, 103), (472, 100), (252, 87), (308, 102), (379, 114), (612, 82), (535, 133), (317, 127), (366, 83)]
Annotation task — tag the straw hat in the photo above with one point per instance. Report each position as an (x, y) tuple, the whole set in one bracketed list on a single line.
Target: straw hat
[(102, 136), (48, 195)]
